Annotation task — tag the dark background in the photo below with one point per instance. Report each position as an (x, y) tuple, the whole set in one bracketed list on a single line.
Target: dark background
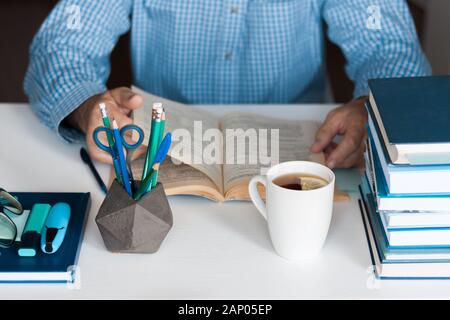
[(20, 20)]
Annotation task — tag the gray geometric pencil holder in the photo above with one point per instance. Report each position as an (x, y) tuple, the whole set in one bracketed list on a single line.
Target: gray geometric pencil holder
[(133, 226)]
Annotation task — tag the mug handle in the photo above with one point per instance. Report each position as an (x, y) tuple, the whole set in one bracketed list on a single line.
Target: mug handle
[(254, 194)]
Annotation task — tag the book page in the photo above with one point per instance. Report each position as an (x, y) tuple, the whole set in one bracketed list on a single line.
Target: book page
[(295, 138), (187, 125), (181, 179)]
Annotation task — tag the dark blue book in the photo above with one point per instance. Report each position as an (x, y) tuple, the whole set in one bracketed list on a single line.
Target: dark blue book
[(426, 178), (59, 267), (412, 116)]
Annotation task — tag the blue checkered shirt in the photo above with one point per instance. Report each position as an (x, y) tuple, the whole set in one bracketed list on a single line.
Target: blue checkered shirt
[(216, 51)]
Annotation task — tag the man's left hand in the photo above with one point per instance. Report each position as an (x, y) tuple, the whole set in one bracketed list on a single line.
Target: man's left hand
[(348, 120)]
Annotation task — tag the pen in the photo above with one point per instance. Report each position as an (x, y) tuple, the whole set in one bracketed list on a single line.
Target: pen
[(87, 159), (152, 147), (146, 184), (121, 157), (110, 139)]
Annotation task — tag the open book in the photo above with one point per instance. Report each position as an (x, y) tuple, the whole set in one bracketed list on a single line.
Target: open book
[(211, 157)]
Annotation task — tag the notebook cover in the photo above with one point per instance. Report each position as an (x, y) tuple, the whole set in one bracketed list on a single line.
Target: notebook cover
[(67, 254), (414, 110)]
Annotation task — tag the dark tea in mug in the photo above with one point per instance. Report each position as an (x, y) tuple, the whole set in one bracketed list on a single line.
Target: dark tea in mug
[(300, 181)]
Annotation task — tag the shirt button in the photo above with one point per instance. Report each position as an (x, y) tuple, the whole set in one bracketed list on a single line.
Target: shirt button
[(228, 56), (234, 9)]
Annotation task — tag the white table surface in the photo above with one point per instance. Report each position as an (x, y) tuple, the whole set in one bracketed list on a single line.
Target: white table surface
[(214, 251)]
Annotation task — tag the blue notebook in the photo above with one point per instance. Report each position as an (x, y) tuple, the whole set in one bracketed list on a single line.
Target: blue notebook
[(412, 114), (59, 267)]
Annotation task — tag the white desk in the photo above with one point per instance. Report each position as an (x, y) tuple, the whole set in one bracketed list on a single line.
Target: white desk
[(214, 251)]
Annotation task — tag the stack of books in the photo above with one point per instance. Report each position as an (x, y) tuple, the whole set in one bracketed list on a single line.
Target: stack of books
[(406, 187)]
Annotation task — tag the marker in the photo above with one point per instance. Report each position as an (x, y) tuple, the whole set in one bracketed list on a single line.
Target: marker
[(31, 236), (55, 227)]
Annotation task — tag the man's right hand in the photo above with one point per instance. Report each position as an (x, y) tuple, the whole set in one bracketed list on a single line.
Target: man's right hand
[(119, 104)]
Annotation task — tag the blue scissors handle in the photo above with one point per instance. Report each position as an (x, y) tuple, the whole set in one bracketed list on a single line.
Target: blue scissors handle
[(98, 142), (132, 127), (123, 131)]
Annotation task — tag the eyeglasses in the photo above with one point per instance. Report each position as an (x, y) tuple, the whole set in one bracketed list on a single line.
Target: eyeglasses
[(8, 229)]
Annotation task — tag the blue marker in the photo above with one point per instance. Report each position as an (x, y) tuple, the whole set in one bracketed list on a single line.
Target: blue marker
[(55, 228)]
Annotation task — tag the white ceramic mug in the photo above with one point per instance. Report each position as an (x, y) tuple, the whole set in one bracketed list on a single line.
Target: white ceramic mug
[(298, 220)]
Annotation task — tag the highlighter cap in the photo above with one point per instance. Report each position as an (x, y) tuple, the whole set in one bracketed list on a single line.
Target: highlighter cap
[(30, 242)]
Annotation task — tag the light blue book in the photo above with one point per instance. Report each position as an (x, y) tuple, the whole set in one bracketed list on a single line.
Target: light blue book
[(419, 204), (392, 251), (399, 263)]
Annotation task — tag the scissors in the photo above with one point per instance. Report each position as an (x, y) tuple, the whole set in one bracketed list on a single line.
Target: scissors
[(116, 151), (123, 131)]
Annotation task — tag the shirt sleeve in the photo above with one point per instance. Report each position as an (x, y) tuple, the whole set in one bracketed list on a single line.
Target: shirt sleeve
[(378, 39), (69, 58)]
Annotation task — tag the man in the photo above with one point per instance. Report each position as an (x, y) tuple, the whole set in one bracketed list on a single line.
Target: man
[(218, 51)]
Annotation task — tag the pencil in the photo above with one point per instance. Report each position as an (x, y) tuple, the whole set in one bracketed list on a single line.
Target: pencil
[(110, 139), (152, 147), (161, 135)]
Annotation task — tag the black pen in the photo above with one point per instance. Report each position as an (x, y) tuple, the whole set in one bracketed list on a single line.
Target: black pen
[(87, 159)]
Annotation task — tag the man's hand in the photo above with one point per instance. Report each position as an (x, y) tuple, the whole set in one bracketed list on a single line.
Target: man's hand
[(349, 121), (119, 103)]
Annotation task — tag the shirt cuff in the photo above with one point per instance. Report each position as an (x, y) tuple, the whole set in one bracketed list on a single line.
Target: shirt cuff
[(361, 89), (69, 103)]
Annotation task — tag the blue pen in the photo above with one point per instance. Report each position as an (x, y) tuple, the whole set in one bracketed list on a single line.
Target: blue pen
[(163, 148), (123, 165)]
